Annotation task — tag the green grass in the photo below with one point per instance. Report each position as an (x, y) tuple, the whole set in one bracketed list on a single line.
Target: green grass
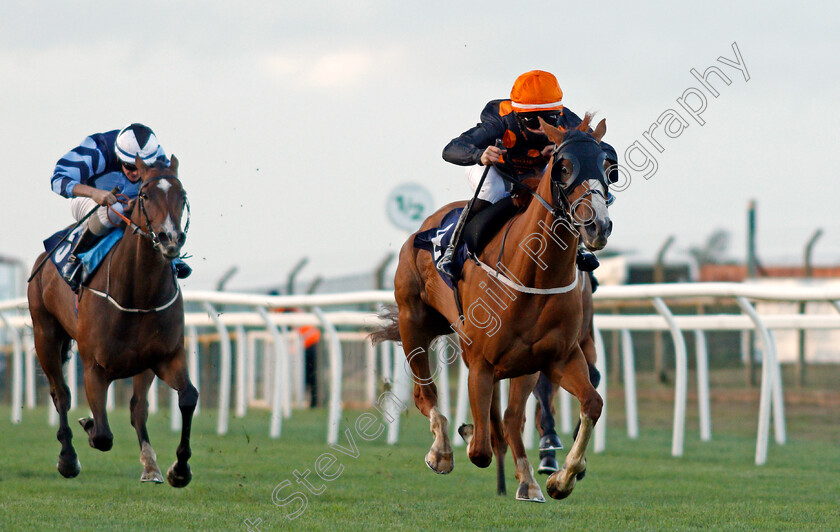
[(635, 484)]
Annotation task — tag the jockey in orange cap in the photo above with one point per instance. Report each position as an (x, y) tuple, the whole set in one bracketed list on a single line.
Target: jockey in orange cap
[(525, 152)]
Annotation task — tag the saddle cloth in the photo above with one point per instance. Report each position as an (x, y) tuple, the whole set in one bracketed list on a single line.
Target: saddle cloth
[(92, 258), (437, 239)]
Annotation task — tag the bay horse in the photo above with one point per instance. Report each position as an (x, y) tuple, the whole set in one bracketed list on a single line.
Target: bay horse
[(127, 322), (523, 311)]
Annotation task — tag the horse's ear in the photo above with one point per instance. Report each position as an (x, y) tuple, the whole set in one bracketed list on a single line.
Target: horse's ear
[(600, 130), (173, 163), (554, 134), (142, 169)]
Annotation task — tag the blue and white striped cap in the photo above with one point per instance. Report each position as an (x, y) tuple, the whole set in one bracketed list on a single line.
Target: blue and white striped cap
[(137, 140)]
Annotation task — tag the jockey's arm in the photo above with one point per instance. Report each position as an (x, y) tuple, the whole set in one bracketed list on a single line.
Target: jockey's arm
[(476, 145), (102, 197)]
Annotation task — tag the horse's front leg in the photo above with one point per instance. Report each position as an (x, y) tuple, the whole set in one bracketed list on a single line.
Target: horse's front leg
[(574, 377), (174, 373), (480, 387), (96, 389), (520, 389), (139, 415)]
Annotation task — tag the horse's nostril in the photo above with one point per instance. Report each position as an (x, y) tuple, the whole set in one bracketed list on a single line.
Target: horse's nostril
[(608, 232), (163, 237), (181, 239)]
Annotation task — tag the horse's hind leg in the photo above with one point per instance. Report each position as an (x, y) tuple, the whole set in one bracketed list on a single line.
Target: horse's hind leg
[(52, 344), (574, 377), (416, 340), (520, 389), (96, 389), (139, 415), (174, 373), (545, 391)]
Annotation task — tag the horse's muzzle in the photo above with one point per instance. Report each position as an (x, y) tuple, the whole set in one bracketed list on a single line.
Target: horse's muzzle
[(171, 243), (597, 233)]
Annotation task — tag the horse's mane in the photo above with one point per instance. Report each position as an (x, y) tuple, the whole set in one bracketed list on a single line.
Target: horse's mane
[(584, 124)]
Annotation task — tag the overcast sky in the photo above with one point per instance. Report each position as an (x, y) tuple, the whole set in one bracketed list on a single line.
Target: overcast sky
[(294, 120)]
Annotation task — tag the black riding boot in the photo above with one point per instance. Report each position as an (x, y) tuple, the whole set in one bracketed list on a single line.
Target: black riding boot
[(586, 261), (72, 270), (445, 264)]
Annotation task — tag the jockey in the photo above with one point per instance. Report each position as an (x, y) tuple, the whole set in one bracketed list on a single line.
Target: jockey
[(89, 172), (526, 147)]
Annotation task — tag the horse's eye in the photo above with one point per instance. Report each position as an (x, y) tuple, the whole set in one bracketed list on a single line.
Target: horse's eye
[(143, 195)]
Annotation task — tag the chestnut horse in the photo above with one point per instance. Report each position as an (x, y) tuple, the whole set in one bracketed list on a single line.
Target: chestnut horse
[(129, 323), (523, 310)]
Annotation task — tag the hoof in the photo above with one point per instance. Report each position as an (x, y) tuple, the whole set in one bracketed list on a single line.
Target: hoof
[(440, 463), (466, 432), (102, 443), (69, 468), (529, 493), (550, 442), (548, 465), (179, 479), (556, 488), (152, 476)]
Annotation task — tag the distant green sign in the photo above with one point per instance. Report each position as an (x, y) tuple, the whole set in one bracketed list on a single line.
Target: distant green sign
[(408, 205)]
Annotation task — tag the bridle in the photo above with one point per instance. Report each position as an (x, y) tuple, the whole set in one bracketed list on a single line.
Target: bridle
[(560, 191), (582, 168), (141, 197)]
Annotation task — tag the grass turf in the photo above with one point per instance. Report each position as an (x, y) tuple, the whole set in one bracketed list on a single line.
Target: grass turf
[(635, 484)]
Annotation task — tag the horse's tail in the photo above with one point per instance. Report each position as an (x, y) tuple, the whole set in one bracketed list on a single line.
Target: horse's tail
[(390, 330)]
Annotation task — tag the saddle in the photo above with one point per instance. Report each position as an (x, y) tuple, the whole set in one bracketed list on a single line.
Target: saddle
[(477, 233)]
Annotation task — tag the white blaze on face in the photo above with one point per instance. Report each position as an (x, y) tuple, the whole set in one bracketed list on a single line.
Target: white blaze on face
[(168, 225), (599, 204)]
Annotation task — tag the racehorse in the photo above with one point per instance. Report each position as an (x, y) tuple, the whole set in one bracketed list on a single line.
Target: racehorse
[(127, 322), (545, 392), (519, 321)]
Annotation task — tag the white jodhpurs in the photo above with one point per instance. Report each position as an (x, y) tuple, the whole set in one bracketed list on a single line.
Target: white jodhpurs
[(100, 222), (493, 188)]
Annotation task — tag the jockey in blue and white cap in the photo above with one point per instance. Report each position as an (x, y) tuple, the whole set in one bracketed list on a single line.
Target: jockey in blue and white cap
[(92, 170)]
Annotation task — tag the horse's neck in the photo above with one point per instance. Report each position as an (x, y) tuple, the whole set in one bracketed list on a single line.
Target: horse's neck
[(138, 272), (539, 249)]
